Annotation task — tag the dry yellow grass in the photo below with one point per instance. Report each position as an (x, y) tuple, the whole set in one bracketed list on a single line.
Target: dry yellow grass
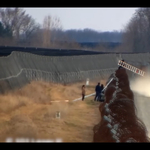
[(29, 113)]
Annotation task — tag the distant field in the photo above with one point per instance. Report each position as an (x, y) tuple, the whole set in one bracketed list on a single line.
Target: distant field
[(29, 113)]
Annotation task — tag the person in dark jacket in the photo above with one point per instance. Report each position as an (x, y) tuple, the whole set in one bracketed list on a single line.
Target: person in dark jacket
[(101, 97), (98, 91), (83, 92)]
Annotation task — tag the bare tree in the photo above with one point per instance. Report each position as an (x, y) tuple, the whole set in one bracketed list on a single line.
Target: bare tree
[(137, 31), (50, 23), (35, 39), (18, 21)]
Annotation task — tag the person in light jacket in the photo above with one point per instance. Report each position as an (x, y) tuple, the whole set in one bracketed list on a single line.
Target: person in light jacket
[(83, 92)]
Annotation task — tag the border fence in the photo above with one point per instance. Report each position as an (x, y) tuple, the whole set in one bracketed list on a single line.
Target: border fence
[(20, 68)]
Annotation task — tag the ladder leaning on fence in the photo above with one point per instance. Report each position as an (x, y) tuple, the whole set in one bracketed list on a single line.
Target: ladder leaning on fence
[(131, 68)]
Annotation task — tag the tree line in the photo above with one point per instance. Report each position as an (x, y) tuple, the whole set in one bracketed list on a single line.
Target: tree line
[(136, 37), (89, 35), (19, 29)]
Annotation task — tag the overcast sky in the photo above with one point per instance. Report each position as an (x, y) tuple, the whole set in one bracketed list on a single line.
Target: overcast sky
[(99, 19)]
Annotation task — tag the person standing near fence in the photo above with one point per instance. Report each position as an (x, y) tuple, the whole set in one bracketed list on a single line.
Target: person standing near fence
[(101, 94), (83, 92), (98, 91)]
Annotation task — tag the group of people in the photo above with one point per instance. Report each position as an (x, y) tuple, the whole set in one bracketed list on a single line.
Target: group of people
[(98, 89), (98, 92)]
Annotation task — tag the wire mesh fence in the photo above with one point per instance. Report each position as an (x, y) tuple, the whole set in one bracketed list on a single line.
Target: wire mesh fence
[(20, 68)]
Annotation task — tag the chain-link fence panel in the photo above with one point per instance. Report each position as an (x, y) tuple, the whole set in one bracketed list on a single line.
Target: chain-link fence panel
[(13, 82), (71, 63), (20, 68), (136, 59), (9, 66)]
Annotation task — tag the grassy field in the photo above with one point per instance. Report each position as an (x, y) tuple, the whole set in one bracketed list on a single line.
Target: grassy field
[(29, 113)]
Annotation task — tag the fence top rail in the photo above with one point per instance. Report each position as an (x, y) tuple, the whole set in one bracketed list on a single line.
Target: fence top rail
[(74, 56)]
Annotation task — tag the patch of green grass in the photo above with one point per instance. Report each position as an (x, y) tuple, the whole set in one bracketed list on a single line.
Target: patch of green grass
[(70, 124)]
